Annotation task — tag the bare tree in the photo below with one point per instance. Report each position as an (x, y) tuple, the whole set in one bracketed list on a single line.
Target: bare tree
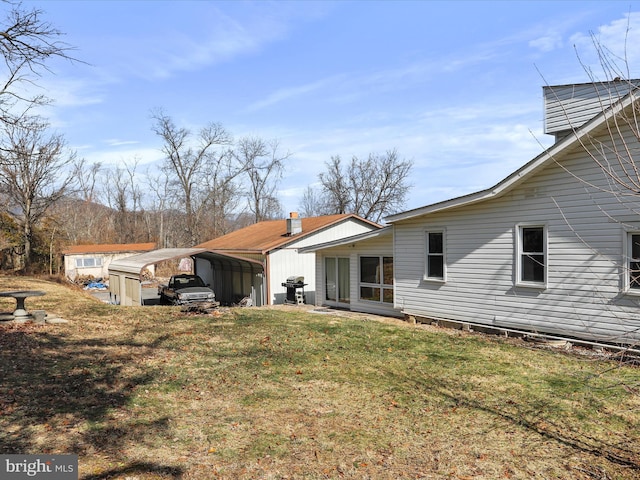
[(34, 175), (53, 236), (86, 178), (10, 240), (33, 165), (224, 198), (117, 194), (125, 196), (80, 215), (159, 202), (312, 203), (134, 234), (191, 163), (26, 43), (335, 186), (371, 188), (263, 165)]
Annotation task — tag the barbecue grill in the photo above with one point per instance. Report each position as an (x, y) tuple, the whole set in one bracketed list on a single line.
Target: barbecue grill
[(295, 290)]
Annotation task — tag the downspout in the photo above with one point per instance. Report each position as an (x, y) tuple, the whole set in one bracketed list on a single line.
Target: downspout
[(267, 278)]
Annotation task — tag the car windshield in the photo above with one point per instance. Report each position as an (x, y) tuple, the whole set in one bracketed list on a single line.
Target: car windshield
[(189, 282)]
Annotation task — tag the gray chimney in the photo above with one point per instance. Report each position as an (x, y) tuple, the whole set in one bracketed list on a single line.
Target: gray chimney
[(568, 107), (294, 224)]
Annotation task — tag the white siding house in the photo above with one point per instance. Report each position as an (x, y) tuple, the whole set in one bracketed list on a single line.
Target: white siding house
[(554, 248)]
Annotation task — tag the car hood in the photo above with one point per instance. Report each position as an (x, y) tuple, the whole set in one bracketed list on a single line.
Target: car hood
[(194, 290)]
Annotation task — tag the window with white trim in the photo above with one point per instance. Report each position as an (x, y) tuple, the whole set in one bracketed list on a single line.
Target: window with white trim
[(435, 261), (87, 262), (633, 262), (532, 255), (376, 279)]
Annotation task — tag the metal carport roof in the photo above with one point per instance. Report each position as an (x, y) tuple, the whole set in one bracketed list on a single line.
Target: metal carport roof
[(135, 263)]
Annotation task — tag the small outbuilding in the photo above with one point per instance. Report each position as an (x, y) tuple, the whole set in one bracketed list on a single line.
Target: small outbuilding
[(94, 260)]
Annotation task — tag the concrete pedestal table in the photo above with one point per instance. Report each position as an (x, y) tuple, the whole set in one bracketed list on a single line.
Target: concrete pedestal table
[(20, 312)]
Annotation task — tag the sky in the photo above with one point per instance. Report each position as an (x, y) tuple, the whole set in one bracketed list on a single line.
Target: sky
[(455, 87)]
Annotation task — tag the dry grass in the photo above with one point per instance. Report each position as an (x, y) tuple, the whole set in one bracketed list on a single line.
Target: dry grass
[(149, 392)]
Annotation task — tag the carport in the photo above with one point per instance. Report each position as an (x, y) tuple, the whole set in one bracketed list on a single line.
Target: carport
[(232, 278), (125, 287)]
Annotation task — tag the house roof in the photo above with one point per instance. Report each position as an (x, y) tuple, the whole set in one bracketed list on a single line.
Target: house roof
[(551, 155), (383, 232), (109, 248), (263, 237)]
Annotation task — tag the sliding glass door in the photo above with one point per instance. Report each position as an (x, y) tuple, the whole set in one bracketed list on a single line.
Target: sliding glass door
[(337, 282)]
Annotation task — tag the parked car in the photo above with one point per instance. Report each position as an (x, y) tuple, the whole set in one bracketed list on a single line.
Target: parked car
[(186, 289)]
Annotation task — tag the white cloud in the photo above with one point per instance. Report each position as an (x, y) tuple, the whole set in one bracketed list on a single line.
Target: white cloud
[(69, 92), (118, 156), (619, 40), (547, 43), (291, 93), (185, 53), (115, 142), (549, 35), (209, 38)]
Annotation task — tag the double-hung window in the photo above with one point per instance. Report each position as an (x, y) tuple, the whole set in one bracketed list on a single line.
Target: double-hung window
[(532, 255), (435, 261), (633, 262), (376, 279)]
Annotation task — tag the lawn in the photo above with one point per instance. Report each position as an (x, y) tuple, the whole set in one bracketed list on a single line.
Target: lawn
[(153, 393)]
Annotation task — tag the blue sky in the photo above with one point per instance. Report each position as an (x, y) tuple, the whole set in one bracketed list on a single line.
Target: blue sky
[(456, 87)]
